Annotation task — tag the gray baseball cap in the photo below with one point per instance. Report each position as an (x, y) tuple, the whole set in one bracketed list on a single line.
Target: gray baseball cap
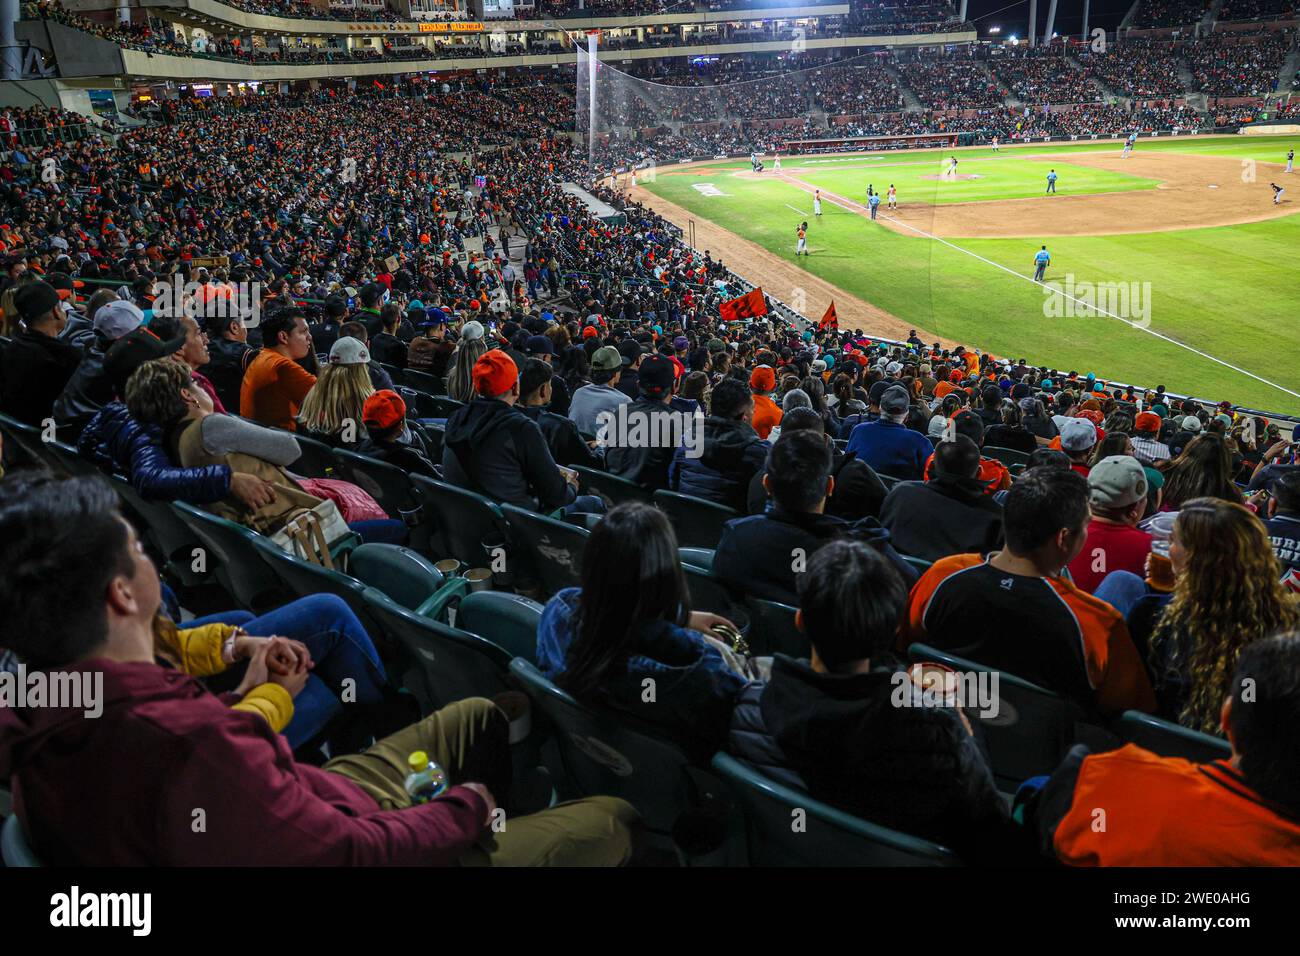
[(1117, 482), (894, 401), (114, 319), (606, 359)]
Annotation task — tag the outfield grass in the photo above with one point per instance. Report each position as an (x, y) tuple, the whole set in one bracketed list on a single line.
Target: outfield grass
[(1231, 292)]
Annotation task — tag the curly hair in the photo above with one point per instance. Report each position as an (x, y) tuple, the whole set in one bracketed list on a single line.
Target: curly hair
[(1228, 596)]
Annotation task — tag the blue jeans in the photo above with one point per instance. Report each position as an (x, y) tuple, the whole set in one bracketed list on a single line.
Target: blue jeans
[(585, 504), (1121, 590), (340, 650)]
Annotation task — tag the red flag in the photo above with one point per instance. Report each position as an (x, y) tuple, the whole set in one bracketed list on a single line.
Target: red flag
[(748, 306), (829, 319)]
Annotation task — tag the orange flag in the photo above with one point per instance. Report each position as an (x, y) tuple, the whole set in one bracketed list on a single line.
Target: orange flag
[(829, 319), (748, 306)]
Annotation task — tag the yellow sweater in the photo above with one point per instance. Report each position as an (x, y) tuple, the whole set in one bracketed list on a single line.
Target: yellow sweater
[(197, 652)]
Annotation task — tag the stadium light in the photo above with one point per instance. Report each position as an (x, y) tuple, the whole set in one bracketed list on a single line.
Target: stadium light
[(995, 29)]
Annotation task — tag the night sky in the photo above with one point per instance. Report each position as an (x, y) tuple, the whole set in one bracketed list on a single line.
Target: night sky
[(1013, 18)]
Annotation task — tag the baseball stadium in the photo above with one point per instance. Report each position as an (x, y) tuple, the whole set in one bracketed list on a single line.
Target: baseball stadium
[(649, 434)]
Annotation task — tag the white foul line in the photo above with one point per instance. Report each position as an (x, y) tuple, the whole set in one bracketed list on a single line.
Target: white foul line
[(799, 211), (843, 203)]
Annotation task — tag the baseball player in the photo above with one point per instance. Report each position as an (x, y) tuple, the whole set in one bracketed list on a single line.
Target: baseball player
[(893, 197), (817, 203), (995, 144), (1051, 181), (952, 170), (1277, 194), (1041, 262), (1128, 145), (802, 233), (776, 161), (1290, 160), (874, 201)]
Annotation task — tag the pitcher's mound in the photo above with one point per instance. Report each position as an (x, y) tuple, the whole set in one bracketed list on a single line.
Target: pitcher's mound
[(941, 177)]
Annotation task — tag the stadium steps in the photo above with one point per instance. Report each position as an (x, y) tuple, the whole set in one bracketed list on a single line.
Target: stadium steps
[(1009, 98), (911, 103), (1105, 90), (1287, 73), (1210, 19)]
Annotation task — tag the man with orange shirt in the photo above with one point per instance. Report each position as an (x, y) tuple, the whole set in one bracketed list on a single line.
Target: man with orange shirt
[(1014, 611), (275, 384), (767, 414), (951, 384), (995, 475), (1166, 811)]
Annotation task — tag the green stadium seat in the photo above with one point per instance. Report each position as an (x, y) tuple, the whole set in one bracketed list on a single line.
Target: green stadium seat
[(772, 630), (170, 536), (1034, 726), (317, 459), (1008, 456), (23, 441), (240, 566), (442, 664), (920, 564), (697, 557), (829, 837), (1169, 739), (607, 753), (406, 576), (423, 382), (554, 547), (698, 523), (69, 460), (507, 620), (612, 489), (16, 852), (460, 521), (387, 484)]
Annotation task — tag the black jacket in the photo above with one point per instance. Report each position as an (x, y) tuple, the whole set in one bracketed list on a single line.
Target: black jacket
[(562, 437), (844, 739), (1010, 436), (408, 452), (35, 370), (756, 553), (227, 362), (732, 454), (388, 349), (496, 450), (859, 492), (648, 460), (323, 336), (943, 516), (89, 390)]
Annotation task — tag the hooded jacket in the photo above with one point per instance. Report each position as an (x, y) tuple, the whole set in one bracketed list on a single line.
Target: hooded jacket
[(732, 454), (753, 556), (562, 437), (116, 442), (946, 515), (162, 747), (843, 739), (645, 454), (494, 449), (407, 451), (859, 492)]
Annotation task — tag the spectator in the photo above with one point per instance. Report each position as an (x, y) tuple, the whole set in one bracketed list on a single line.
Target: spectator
[(1203, 470), (1016, 612), (858, 493), (831, 726), (429, 352), (641, 439), (630, 622), (90, 387), (731, 452), (379, 377), (493, 448), (389, 438), (1227, 594), (602, 395), (1236, 812), (325, 332), (994, 475), (1147, 447), (1078, 435), (36, 366), (541, 348), (1117, 491), (388, 349), (948, 514), (332, 411), (229, 356), (1284, 527), (767, 414), (470, 348), (887, 445), (561, 434), (275, 385), (762, 555), (1010, 432), (96, 617)]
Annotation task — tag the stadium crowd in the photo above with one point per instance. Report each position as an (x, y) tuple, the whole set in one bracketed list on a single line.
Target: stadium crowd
[(1043, 75)]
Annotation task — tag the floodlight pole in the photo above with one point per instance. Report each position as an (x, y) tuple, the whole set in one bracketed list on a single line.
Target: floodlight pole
[(591, 101), (9, 49), (1033, 23), (1051, 23), (1086, 5)]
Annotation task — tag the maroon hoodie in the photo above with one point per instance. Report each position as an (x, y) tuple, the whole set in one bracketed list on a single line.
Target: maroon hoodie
[(169, 775)]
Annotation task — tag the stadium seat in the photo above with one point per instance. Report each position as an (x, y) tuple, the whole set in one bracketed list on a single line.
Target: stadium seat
[(70, 461), (772, 630), (169, 534), (697, 557), (829, 837), (606, 753), (409, 578), (461, 521), (1169, 739), (14, 848), (554, 547), (442, 664), (888, 480), (507, 620), (240, 566), (386, 483), (612, 489), (443, 406), (422, 381), (317, 459), (1008, 456), (303, 578), (1032, 730), (920, 564), (698, 522), (23, 440)]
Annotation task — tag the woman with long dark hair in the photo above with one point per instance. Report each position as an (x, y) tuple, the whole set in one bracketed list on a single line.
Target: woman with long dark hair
[(627, 638), (1203, 470)]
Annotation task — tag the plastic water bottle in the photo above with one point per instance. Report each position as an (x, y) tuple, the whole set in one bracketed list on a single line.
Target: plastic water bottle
[(426, 779)]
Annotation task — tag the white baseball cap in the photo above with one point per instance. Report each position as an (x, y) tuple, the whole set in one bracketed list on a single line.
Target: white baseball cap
[(471, 331), (349, 351), (114, 319)]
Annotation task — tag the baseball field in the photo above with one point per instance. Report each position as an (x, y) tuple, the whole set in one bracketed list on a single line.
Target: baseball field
[(1172, 266)]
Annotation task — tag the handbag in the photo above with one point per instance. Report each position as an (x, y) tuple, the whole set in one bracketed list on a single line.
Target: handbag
[(309, 532)]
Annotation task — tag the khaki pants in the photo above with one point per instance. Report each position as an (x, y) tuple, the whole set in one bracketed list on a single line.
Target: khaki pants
[(470, 740)]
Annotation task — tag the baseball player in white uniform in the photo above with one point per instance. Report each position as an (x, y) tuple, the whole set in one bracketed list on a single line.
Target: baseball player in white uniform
[(893, 197), (817, 202), (1290, 160), (995, 144), (776, 161)]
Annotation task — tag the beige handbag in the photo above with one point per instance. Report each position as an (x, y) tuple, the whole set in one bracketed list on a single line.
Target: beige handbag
[(308, 533)]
